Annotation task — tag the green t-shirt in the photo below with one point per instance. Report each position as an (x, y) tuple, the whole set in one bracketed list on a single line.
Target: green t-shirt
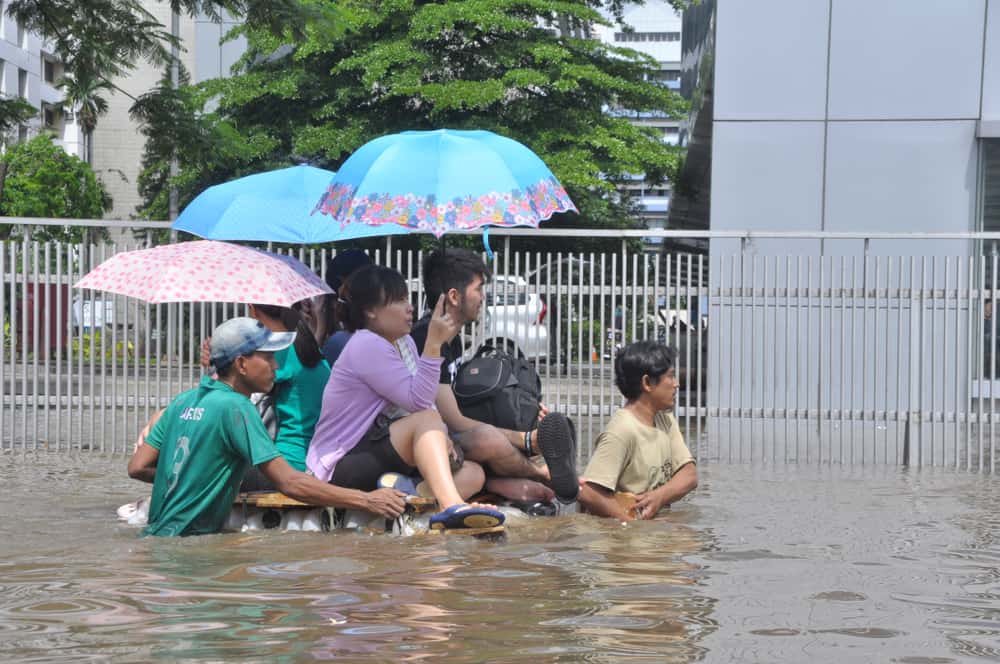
[(298, 398), (208, 437)]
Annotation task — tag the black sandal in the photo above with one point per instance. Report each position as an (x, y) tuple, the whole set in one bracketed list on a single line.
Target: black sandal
[(557, 442)]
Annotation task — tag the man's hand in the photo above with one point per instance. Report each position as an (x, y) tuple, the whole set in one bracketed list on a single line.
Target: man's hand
[(146, 429), (385, 502), (206, 356), (649, 504)]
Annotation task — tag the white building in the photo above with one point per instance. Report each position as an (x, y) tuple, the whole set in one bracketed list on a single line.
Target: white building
[(118, 143), (653, 29), (29, 70)]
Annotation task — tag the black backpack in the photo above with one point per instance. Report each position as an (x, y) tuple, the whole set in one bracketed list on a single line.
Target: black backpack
[(499, 389)]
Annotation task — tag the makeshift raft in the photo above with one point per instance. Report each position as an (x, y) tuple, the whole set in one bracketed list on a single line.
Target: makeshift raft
[(265, 510)]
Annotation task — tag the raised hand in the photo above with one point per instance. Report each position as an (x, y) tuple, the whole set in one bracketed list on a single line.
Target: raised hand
[(443, 326)]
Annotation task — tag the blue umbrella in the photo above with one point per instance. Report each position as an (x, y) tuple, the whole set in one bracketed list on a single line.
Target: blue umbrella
[(437, 181), (274, 206)]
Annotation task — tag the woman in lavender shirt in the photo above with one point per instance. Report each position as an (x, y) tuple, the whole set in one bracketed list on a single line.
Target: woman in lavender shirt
[(360, 434)]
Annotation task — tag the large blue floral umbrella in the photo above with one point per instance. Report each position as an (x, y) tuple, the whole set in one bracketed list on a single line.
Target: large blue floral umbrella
[(273, 206), (443, 180)]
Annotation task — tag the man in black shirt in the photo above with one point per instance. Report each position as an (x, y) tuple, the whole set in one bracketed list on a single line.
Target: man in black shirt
[(460, 275)]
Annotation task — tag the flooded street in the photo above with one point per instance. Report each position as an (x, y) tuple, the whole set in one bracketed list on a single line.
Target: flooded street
[(776, 563)]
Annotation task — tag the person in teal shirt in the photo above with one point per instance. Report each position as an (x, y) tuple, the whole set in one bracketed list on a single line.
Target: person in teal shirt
[(298, 382), (198, 451), (297, 396)]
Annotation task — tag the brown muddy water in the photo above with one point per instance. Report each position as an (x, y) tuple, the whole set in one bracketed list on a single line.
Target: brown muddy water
[(763, 564)]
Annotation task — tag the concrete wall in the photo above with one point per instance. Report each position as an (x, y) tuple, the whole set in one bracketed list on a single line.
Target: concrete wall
[(851, 115)]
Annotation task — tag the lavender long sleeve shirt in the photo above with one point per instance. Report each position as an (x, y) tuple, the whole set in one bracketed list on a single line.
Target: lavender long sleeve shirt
[(368, 375)]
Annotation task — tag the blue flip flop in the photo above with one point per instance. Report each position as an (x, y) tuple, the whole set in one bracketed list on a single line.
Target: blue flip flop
[(466, 516), (398, 482)]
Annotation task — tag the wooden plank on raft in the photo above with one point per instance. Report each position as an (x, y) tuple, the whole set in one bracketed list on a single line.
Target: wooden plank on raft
[(467, 531), (278, 500)]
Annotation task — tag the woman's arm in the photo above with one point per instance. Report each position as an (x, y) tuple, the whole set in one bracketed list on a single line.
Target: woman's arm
[(379, 365)]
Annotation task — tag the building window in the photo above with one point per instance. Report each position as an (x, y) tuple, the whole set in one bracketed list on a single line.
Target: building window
[(48, 70), (22, 37), (991, 184), (633, 36), (22, 83), (22, 133), (50, 116)]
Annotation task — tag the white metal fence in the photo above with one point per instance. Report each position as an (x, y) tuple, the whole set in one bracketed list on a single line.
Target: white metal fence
[(847, 359)]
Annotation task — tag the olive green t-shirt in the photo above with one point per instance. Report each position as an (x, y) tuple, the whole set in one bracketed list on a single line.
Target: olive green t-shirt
[(207, 437), (298, 399), (634, 457)]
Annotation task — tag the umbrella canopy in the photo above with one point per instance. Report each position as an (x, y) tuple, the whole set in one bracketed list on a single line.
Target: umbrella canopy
[(205, 271), (437, 181), (274, 206)]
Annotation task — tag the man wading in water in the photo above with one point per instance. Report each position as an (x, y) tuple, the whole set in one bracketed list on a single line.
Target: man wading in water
[(197, 453)]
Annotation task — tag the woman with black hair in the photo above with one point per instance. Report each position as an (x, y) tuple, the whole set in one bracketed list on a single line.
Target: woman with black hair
[(363, 438), (297, 395)]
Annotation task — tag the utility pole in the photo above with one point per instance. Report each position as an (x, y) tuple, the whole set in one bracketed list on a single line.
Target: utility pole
[(175, 54)]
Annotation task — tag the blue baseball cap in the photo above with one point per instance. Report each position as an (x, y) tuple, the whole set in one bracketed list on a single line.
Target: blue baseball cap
[(243, 336)]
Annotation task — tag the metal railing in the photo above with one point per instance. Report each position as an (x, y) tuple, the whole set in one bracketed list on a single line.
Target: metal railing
[(858, 358)]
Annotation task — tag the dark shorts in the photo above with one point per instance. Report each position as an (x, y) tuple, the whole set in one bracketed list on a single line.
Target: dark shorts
[(370, 458)]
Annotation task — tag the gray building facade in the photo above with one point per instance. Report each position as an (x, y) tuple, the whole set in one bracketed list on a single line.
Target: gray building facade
[(846, 115), (862, 116)]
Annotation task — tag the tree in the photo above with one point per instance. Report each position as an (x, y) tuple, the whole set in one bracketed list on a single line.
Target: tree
[(511, 66), (83, 90), (209, 148), (100, 40), (44, 181), (14, 111)]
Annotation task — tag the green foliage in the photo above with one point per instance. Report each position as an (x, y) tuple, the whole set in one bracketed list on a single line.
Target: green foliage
[(119, 351), (503, 65), (100, 40), (42, 180), (14, 111), (109, 37), (586, 326)]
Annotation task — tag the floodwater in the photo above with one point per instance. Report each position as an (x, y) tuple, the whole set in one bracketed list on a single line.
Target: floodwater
[(765, 564)]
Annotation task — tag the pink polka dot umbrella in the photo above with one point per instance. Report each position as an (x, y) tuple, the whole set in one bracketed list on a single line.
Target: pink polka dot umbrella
[(205, 271)]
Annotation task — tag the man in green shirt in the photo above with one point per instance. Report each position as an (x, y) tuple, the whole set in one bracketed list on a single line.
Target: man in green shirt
[(197, 453)]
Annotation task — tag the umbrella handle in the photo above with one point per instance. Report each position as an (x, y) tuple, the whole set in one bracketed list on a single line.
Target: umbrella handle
[(486, 242)]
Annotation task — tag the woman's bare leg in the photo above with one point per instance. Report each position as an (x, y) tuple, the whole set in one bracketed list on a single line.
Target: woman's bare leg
[(421, 441)]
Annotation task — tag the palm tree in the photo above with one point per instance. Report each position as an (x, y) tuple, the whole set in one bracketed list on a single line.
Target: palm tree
[(83, 91)]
